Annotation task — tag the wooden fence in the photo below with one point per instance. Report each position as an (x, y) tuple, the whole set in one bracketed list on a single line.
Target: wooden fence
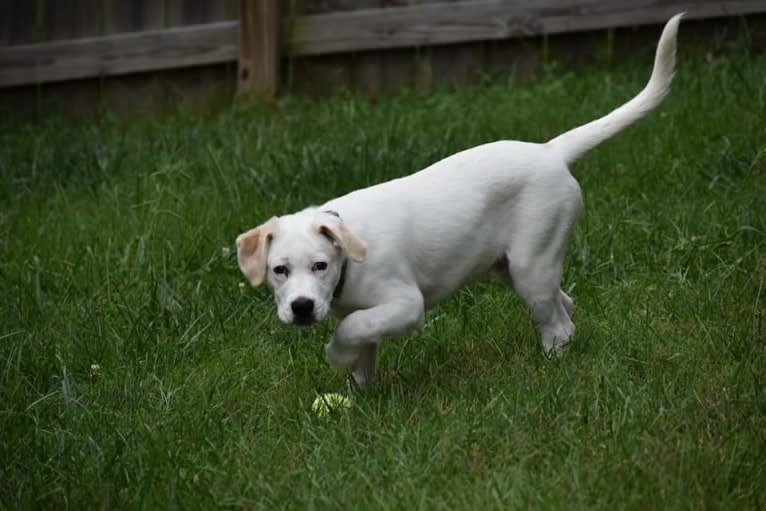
[(56, 40)]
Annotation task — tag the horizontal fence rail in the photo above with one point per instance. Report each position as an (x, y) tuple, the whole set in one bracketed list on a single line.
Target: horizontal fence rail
[(339, 32), (153, 50), (458, 22)]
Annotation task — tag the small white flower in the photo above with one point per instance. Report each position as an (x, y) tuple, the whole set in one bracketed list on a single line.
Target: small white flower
[(225, 251), (95, 370)]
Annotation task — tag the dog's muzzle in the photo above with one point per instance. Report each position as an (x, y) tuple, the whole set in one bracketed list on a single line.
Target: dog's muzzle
[(303, 311)]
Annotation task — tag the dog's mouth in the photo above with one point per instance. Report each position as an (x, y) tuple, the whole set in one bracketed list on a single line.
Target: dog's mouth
[(304, 321)]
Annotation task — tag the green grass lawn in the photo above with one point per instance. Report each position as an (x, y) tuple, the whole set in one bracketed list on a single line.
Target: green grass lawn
[(114, 250)]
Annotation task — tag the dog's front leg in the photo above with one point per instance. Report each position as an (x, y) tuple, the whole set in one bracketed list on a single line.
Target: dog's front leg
[(364, 367), (355, 341)]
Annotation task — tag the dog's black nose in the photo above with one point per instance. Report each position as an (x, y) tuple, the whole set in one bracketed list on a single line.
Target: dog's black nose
[(303, 309)]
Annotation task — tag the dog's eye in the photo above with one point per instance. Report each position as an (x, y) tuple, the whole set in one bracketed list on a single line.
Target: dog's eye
[(320, 266), (281, 270)]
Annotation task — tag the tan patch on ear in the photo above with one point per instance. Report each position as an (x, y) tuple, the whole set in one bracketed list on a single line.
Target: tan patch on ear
[(348, 241), (252, 249)]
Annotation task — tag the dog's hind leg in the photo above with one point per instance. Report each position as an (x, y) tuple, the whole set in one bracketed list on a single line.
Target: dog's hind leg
[(503, 273), (538, 286), (535, 262)]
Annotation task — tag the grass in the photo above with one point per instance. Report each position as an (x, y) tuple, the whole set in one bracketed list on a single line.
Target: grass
[(112, 252)]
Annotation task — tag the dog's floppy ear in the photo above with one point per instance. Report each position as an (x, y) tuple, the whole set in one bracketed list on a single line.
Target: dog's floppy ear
[(252, 249), (343, 237)]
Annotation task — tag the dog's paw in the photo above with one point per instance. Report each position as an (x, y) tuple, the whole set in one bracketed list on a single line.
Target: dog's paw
[(557, 350), (339, 356), (363, 378), (556, 341), (356, 386)]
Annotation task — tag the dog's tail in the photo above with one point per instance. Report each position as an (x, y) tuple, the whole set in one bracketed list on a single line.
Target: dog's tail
[(574, 143)]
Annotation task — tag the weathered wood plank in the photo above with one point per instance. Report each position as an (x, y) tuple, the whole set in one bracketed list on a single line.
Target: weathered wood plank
[(434, 24), (152, 15), (367, 71), (397, 67), (6, 8), (231, 9), (423, 79), (58, 20), (518, 58), (259, 49), (317, 76), (72, 19), (398, 70), (320, 6), (216, 11), (174, 13), (26, 22), (121, 16), (119, 54), (196, 12), (89, 18), (367, 68)]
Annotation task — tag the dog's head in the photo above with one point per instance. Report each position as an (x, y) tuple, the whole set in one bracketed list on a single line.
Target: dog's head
[(301, 257)]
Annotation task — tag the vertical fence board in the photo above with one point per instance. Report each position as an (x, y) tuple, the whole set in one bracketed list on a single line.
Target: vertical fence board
[(517, 58), (367, 68), (89, 18), (398, 69), (61, 19), (468, 62), (122, 16), (259, 49), (6, 11), (174, 13), (367, 71), (152, 15), (457, 65), (232, 9), (58, 20), (325, 75), (397, 66), (217, 11), (195, 12), (317, 76), (410, 69), (26, 26), (320, 6), (73, 19), (424, 73)]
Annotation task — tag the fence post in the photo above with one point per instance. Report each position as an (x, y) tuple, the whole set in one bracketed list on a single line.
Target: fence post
[(258, 73)]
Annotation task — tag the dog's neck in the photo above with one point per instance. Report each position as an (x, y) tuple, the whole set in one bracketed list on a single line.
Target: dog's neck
[(341, 281)]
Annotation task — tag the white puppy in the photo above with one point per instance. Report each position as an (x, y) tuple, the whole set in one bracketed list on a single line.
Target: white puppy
[(382, 255)]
